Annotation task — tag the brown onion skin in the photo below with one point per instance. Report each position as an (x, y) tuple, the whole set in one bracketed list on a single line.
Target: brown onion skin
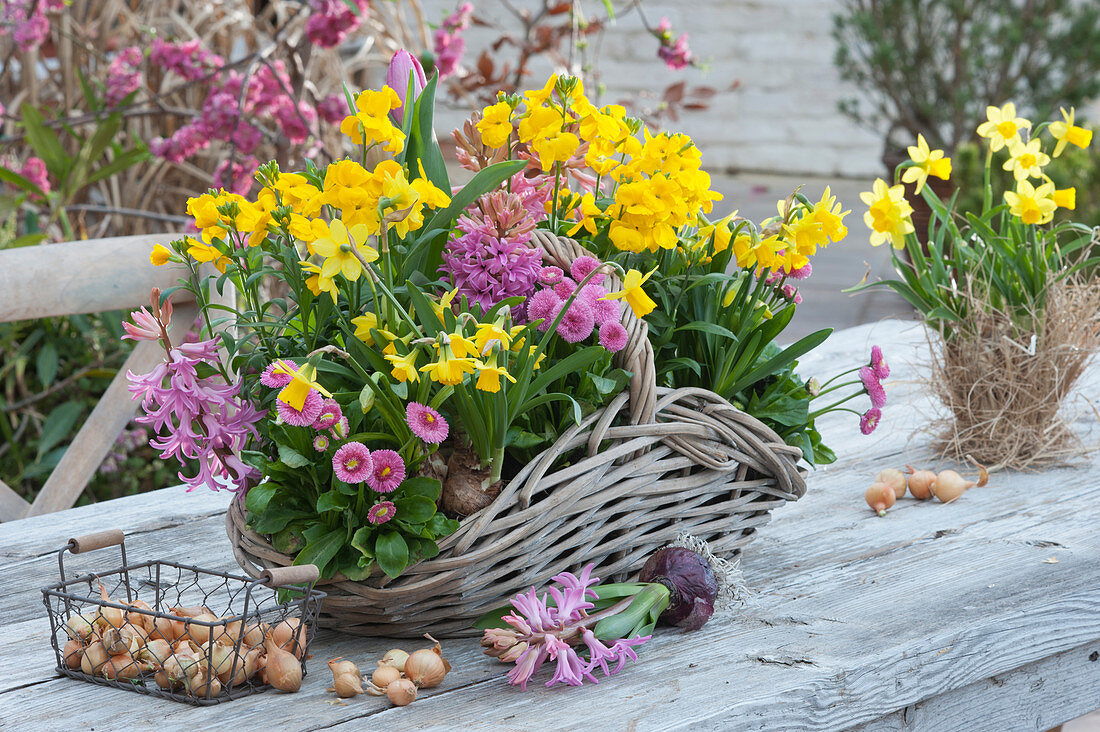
[(691, 582)]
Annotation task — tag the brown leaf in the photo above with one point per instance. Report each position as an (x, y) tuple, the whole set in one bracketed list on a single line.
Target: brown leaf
[(674, 93), (485, 65)]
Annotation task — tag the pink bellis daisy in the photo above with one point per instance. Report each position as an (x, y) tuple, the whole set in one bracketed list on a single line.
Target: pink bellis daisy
[(878, 363), (582, 266), (305, 416), (388, 471), (565, 287), (550, 275), (543, 305), (604, 311), (330, 415), (577, 323), (872, 386), (870, 420), (426, 423), (352, 462), (613, 336), (320, 443), (278, 373), (381, 512)]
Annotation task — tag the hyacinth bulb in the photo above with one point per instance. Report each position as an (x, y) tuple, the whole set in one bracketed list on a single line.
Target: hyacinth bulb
[(691, 581)]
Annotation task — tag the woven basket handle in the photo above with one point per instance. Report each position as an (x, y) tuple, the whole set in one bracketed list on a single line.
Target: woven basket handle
[(637, 356)]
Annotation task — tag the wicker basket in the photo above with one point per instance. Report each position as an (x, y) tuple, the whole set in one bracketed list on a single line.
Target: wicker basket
[(612, 490)]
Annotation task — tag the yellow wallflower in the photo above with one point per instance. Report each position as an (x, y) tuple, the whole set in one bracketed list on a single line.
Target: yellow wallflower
[(541, 96), (160, 255), (888, 214), (555, 148), (641, 303), (926, 162), (1065, 132), (404, 367), (1026, 159), (1001, 125), (296, 191), (1030, 204), (495, 124), (338, 250), (1065, 198), (371, 122), (201, 252)]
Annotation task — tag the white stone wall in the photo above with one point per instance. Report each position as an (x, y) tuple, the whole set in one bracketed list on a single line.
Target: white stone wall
[(782, 118)]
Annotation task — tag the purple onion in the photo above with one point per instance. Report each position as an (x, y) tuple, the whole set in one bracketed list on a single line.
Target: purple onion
[(691, 581)]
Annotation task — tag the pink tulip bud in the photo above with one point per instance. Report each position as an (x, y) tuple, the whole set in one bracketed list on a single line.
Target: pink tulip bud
[(402, 66)]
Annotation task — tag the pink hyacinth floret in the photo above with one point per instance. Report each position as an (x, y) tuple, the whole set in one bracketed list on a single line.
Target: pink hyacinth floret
[(388, 471), (352, 463), (545, 631), (303, 417), (872, 386), (426, 423)]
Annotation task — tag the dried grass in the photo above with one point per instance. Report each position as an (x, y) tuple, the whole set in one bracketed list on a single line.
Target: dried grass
[(1004, 388)]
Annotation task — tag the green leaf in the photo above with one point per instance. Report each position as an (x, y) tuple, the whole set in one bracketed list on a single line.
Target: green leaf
[(259, 496), (275, 518), (9, 176), (363, 540), (44, 141), (322, 550), (420, 485), (58, 425), (391, 553), (332, 501), (790, 354), (415, 509), (291, 457), (366, 399), (46, 363)]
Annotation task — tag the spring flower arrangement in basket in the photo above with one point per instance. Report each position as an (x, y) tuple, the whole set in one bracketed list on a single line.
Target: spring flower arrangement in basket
[(453, 385), (1009, 290)]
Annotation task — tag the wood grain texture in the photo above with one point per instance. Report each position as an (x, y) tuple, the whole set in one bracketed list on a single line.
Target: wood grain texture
[(936, 617), (12, 505), (89, 276)]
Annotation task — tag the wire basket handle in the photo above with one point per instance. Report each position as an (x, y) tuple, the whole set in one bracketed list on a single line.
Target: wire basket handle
[(91, 542), (293, 575)]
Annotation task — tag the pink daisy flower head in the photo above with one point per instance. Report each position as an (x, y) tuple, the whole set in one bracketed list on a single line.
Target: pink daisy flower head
[(577, 323), (813, 386), (543, 305), (381, 512), (872, 386), (802, 272), (878, 363), (565, 288), (582, 266), (278, 379), (426, 423), (304, 417), (870, 420), (388, 471), (603, 310), (330, 415), (340, 429), (320, 443), (550, 275), (352, 462), (613, 336)]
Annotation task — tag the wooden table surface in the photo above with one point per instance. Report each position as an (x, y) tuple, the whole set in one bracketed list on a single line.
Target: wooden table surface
[(983, 614)]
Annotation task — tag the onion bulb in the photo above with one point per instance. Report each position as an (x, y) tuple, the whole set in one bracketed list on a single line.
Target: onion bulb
[(425, 668), (79, 627), (346, 679), (283, 670), (394, 657), (290, 636), (880, 497), (203, 685), (949, 485), (202, 634), (893, 478), (920, 483), (247, 665), (71, 654), (383, 676), (401, 692), (95, 655), (121, 666), (108, 616), (155, 651)]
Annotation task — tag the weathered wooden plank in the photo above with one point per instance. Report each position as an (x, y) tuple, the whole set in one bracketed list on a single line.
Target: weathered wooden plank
[(12, 505), (89, 276)]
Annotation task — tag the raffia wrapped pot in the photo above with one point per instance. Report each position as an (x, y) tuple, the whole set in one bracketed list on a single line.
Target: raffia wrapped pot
[(612, 490)]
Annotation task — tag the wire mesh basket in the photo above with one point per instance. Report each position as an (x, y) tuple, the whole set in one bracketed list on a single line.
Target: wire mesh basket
[(175, 631)]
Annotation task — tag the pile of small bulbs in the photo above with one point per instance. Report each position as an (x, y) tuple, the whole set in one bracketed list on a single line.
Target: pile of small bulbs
[(398, 676), (200, 660), (890, 485)]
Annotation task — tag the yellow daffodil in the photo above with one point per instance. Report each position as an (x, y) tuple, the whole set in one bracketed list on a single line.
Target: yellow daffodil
[(1030, 204), (317, 282), (1066, 132), (338, 250), (639, 302), (487, 332), (443, 304), (404, 367), (301, 381), (1026, 159), (363, 326), (926, 162), (488, 375), (1065, 198), (495, 124), (460, 345), (160, 255), (1001, 125), (830, 214), (448, 370), (888, 214)]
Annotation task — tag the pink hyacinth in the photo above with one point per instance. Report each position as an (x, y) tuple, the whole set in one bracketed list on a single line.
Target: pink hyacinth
[(303, 417), (329, 416), (381, 512), (542, 631), (352, 463), (870, 420), (544, 305), (872, 386), (388, 471), (577, 323), (878, 363), (197, 418), (426, 423), (582, 266), (277, 379), (613, 336), (123, 75), (448, 41), (491, 259)]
